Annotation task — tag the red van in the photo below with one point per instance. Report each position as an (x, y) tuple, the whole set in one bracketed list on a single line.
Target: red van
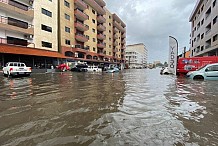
[(191, 64)]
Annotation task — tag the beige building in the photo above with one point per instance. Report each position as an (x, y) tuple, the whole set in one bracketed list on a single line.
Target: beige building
[(99, 34), (46, 25), (204, 28), (136, 55), (46, 32)]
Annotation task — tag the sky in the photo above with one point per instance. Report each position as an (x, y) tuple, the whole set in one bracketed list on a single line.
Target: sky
[(152, 22)]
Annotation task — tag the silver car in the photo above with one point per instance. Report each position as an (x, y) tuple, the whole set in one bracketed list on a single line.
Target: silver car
[(207, 72)]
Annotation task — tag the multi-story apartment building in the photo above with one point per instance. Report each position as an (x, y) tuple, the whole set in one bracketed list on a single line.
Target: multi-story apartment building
[(204, 28), (41, 33), (136, 55), (94, 33)]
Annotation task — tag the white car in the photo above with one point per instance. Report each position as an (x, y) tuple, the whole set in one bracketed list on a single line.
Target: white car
[(16, 69), (94, 69), (207, 72)]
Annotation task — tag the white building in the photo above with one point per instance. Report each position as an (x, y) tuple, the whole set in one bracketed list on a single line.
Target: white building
[(136, 55), (204, 28)]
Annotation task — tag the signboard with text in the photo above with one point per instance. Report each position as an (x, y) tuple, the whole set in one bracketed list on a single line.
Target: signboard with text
[(173, 53)]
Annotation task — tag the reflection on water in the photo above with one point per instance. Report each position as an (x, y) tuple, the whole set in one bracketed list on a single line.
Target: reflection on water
[(135, 107)]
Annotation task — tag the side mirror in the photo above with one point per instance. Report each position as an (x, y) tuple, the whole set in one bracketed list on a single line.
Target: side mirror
[(206, 70)]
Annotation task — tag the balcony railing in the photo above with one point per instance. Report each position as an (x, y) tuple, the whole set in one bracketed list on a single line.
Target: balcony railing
[(96, 6), (115, 36), (80, 4), (101, 19), (101, 45), (101, 36), (81, 37), (17, 5), (101, 27), (80, 26), (115, 30), (16, 41), (81, 15), (15, 22)]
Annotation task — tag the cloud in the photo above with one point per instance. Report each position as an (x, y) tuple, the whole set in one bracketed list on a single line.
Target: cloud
[(151, 22)]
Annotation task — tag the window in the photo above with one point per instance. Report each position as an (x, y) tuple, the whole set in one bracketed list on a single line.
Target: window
[(109, 17), (46, 12), (109, 31), (202, 22), (46, 44), (109, 39), (67, 4), (93, 30), (46, 28), (93, 11), (109, 46), (67, 16), (202, 36), (93, 21), (93, 39), (93, 49), (214, 20), (212, 68), (109, 24), (214, 3), (67, 29), (215, 37), (67, 42)]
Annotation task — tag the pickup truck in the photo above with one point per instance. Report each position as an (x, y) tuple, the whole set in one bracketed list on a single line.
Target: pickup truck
[(16, 69)]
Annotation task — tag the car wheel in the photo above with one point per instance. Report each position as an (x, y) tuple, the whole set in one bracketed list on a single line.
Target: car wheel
[(198, 77)]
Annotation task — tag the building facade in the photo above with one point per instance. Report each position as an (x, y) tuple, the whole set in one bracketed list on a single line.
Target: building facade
[(204, 28), (42, 33), (136, 55)]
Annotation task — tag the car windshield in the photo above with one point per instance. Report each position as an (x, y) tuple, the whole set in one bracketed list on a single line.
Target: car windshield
[(201, 67)]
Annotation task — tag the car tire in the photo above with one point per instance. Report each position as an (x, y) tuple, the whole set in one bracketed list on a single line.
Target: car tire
[(198, 77)]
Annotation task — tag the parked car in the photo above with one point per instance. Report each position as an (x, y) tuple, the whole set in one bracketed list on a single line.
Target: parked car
[(80, 68), (94, 69), (207, 72), (112, 70), (16, 69)]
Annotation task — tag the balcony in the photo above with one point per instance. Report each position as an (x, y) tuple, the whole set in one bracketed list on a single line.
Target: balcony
[(17, 8), (81, 27), (118, 25), (15, 25), (115, 43), (79, 48), (123, 41), (81, 15), (80, 4), (101, 19), (100, 53), (101, 2), (81, 38), (100, 27), (115, 30), (100, 36), (96, 6), (123, 35), (115, 36), (101, 45)]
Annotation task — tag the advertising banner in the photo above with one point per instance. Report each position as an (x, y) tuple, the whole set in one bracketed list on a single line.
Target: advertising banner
[(173, 53)]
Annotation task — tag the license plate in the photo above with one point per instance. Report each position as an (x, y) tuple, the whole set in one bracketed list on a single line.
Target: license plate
[(21, 73)]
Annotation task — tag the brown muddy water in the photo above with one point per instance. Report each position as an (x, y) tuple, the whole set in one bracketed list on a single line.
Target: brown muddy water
[(131, 108)]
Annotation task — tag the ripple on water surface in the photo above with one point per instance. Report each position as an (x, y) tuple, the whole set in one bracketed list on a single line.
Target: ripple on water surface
[(134, 107)]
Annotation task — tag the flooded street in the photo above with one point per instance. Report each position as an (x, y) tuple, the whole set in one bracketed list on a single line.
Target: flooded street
[(134, 107)]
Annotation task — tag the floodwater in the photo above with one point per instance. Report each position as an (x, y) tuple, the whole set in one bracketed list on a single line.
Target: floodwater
[(131, 108)]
